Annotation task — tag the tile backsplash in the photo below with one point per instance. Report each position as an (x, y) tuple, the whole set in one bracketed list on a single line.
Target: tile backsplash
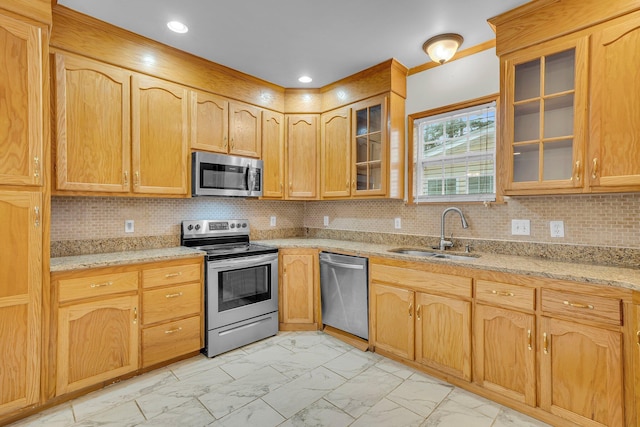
[(591, 220)]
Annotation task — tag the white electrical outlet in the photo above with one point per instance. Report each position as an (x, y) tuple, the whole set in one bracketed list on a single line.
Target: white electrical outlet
[(272, 221), (521, 227), (397, 223), (326, 221), (557, 228), (128, 226)]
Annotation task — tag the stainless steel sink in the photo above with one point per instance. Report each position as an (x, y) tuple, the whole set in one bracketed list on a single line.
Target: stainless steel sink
[(429, 254)]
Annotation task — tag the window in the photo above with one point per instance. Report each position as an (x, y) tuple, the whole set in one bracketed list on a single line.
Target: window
[(454, 154)]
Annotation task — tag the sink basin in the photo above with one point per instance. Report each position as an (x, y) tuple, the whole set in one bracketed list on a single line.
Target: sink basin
[(429, 254)]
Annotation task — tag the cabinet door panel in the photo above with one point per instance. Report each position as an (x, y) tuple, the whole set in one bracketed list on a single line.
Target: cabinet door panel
[(93, 125), (302, 156), (21, 85), (505, 352), (273, 155), (581, 373), (391, 312), (298, 279), (96, 341), (160, 136), (20, 299), (209, 122), (615, 89), (335, 134), (443, 334), (244, 130)]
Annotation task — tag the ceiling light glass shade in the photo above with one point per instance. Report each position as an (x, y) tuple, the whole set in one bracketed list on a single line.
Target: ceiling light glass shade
[(177, 27), (305, 79), (442, 48)]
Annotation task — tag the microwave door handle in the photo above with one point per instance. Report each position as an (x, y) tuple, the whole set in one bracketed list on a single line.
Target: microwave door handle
[(250, 179)]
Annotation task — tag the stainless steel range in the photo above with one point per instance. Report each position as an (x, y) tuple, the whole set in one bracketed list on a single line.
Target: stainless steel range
[(241, 283)]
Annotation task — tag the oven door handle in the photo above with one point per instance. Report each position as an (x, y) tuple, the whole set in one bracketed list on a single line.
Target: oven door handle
[(250, 260)]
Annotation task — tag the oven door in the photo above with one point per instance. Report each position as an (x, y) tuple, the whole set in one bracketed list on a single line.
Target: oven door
[(238, 289)]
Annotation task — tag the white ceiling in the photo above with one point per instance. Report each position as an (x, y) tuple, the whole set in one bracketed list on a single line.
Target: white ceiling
[(280, 40)]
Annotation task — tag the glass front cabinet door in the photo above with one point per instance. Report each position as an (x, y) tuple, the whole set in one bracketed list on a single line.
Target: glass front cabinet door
[(370, 146), (545, 109)]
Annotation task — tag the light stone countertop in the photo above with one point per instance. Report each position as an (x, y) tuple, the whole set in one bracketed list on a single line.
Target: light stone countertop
[(628, 278), (80, 262)]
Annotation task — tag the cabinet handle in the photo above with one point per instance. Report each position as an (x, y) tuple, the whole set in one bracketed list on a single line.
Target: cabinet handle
[(290, 186), (578, 305), (136, 180), (411, 312), (36, 170), (545, 343), (502, 293), (281, 187), (36, 210), (638, 337), (232, 144), (101, 285), (353, 185), (347, 184), (171, 331), (577, 170), (170, 275), (418, 311), (126, 178), (594, 172), (176, 295), (226, 143), (529, 343), (135, 315)]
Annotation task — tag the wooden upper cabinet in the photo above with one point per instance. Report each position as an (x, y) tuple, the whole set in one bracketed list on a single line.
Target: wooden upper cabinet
[(302, 156), (614, 160), (244, 129), (335, 153), (273, 155), (93, 143), (544, 98), (160, 136), (21, 85), (584, 386), (20, 298), (209, 122)]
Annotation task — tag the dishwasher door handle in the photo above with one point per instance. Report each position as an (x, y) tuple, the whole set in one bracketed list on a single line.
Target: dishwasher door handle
[(340, 265)]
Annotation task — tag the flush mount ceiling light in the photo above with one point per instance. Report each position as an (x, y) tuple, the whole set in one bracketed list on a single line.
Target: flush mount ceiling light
[(305, 79), (442, 48), (177, 27)]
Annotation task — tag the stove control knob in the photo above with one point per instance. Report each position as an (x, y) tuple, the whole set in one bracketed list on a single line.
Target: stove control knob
[(190, 227), (233, 225), (244, 225), (197, 227)]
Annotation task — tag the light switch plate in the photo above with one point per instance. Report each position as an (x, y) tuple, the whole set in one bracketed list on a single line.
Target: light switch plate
[(397, 223), (326, 221), (557, 228), (272, 221), (128, 226), (521, 227)]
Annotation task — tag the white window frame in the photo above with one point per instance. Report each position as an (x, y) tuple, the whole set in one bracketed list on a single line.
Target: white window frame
[(442, 115)]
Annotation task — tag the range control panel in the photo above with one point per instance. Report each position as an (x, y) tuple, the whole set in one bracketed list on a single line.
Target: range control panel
[(201, 228)]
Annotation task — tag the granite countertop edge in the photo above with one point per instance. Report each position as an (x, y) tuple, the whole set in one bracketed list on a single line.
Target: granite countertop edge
[(80, 262), (601, 275)]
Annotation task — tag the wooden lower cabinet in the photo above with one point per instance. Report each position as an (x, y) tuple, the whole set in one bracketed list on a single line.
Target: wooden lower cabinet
[(97, 341), (581, 376), (443, 334), (505, 356), (299, 289), (391, 319), (170, 340)]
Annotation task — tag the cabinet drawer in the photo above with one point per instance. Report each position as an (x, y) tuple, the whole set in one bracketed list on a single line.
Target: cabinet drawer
[(170, 275), (167, 303), (505, 294), (589, 307), (422, 280), (173, 339), (93, 286)]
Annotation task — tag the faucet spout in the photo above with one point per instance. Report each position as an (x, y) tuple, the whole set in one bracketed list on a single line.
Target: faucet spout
[(444, 244)]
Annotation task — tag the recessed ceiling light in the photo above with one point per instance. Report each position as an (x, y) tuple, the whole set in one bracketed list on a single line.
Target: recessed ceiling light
[(177, 27), (305, 79)]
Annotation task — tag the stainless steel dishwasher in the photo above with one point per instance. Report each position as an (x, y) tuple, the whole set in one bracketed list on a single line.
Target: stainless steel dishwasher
[(344, 289)]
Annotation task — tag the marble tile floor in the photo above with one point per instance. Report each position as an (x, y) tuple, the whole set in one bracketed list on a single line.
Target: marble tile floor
[(294, 379)]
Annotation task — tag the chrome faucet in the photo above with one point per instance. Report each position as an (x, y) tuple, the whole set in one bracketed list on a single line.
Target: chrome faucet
[(444, 244)]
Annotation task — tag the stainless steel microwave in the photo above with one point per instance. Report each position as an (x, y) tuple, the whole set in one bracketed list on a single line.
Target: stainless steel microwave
[(223, 175)]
